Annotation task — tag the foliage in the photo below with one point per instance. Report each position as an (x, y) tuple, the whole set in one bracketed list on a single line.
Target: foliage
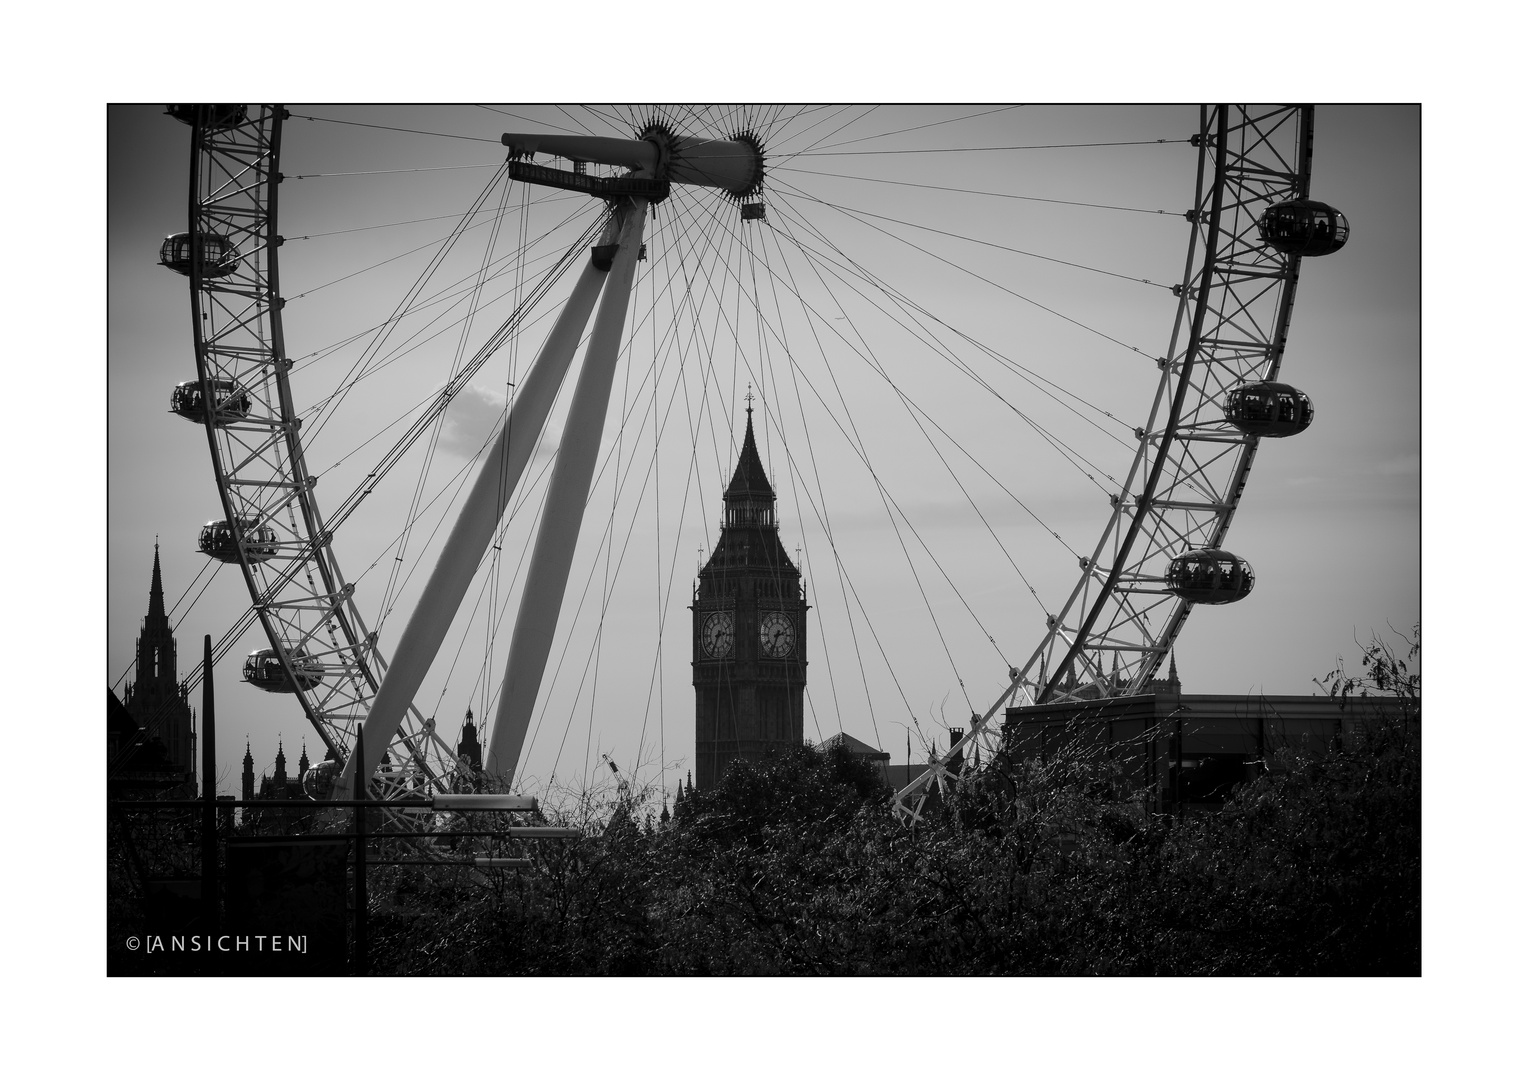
[(794, 866)]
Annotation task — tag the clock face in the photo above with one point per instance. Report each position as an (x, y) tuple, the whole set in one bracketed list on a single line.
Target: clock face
[(716, 634), (777, 634)]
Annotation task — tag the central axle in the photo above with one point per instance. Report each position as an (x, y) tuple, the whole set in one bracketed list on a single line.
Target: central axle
[(735, 165)]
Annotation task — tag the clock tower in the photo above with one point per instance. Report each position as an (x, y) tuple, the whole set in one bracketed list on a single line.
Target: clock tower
[(750, 631)]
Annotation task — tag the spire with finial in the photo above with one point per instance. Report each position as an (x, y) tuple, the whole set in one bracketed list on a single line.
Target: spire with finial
[(750, 498), (302, 762), (156, 678), (156, 589), (469, 749), (249, 771)]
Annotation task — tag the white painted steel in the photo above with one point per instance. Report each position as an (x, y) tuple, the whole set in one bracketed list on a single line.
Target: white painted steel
[(473, 531), (557, 537)]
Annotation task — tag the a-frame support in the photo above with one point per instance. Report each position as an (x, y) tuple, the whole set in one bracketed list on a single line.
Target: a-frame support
[(490, 496), (552, 558)]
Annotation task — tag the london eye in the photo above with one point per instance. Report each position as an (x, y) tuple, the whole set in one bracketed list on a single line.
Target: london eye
[(1012, 374)]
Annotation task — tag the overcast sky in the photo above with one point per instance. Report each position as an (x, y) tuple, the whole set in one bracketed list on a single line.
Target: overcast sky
[(909, 628)]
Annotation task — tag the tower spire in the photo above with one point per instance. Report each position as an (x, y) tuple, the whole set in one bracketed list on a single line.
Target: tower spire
[(156, 589), (749, 498), (157, 699)]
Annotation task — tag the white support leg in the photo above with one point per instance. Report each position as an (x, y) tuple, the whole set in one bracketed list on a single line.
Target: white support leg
[(473, 531), (547, 577)]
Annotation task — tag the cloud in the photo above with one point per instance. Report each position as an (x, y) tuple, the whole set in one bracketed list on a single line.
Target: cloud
[(473, 419)]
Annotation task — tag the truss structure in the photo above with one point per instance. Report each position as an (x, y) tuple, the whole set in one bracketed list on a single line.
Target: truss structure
[(1108, 638), (297, 592), (1191, 466)]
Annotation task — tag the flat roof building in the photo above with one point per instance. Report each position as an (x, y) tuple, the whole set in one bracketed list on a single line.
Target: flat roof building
[(1187, 751)]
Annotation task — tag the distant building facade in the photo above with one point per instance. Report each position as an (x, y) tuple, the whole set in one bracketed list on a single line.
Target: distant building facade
[(897, 775), (749, 616), (158, 704), (1188, 751), (276, 784)]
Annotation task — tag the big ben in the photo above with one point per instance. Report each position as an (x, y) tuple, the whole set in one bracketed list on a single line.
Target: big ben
[(750, 631)]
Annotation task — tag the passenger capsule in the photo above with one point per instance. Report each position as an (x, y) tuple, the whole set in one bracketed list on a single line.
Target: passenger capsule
[(232, 401), (263, 669), (219, 256), (318, 782), (1303, 227), (218, 541), (1270, 409), (215, 117), (1209, 576)]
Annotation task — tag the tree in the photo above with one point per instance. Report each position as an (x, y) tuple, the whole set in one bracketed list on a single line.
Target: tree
[(794, 865)]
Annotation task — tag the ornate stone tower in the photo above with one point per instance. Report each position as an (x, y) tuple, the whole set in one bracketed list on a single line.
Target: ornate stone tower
[(280, 779), (249, 773), (157, 701), (750, 631), (469, 757)]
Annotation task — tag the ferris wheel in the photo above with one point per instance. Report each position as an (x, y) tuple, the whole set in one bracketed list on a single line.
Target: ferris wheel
[(869, 274)]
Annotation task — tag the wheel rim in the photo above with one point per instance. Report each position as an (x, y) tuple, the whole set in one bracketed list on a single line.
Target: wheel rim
[(307, 605), (1236, 296), (301, 600)]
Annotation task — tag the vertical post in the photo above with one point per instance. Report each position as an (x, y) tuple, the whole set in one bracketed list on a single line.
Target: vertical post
[(567, 493), (1178, 773), (360, 860), (209, 796)]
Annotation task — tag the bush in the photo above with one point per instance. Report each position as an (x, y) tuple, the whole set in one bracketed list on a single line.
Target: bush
[(795, 866)]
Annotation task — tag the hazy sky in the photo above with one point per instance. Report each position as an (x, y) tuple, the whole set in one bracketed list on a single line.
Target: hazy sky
[(901, 622)]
